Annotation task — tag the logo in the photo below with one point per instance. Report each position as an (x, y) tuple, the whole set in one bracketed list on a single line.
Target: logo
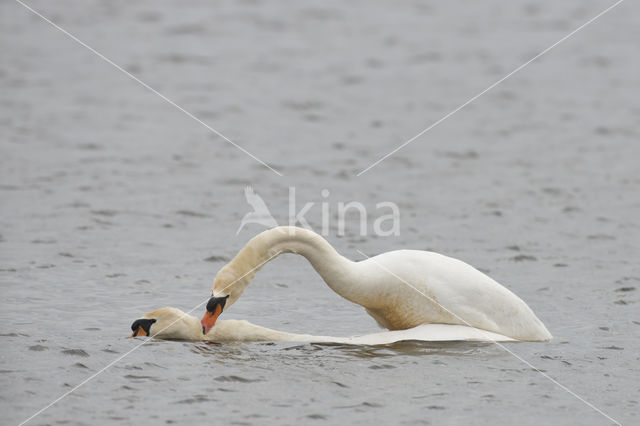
[(384, 224), (260, 214)]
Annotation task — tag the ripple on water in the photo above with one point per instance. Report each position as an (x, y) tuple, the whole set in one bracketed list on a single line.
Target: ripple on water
[(75, 352), (138, 379), (38, 348), (317, 416), (382, 367), (191, 213), (523, 258), (195, 399), (358, 407), (133, 367), (233, 378), (216, 258), (409, 347)]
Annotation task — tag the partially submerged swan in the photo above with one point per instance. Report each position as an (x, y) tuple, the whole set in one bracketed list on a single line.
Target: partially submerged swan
[(400, 289), (173, 324)]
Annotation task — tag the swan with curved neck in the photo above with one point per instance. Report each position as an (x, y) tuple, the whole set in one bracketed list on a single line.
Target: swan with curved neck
[(400, 289), (173, 324)]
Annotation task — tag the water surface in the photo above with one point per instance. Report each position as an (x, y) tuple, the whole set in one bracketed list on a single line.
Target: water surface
[(113, 203)]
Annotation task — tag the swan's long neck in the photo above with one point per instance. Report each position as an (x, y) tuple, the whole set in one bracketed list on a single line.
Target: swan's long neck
[(234, 330), (336, 270)]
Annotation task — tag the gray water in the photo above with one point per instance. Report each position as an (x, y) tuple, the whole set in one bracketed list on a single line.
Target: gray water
[(114, 203)]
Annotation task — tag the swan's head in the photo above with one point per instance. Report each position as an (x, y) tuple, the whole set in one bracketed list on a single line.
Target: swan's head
[(215, 306), (168, 323), (227, 288)]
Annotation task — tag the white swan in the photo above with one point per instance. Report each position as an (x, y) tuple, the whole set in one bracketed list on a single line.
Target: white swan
[(399, 289), (172, 323)]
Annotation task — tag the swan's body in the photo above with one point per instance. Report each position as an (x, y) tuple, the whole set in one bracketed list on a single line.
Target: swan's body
[(172, 323), (399, 289)]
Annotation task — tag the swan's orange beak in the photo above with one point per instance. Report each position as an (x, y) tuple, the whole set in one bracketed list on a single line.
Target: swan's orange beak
[(214, 309), (139, 332)]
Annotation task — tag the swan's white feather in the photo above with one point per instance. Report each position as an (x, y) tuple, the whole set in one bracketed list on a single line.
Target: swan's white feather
[(172, 323), (400, 289)]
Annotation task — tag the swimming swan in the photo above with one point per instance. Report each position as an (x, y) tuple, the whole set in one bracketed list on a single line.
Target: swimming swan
[(399, 289), (173, 324)]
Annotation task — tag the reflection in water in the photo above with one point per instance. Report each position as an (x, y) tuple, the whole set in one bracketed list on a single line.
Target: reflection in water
[(246, 351)]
